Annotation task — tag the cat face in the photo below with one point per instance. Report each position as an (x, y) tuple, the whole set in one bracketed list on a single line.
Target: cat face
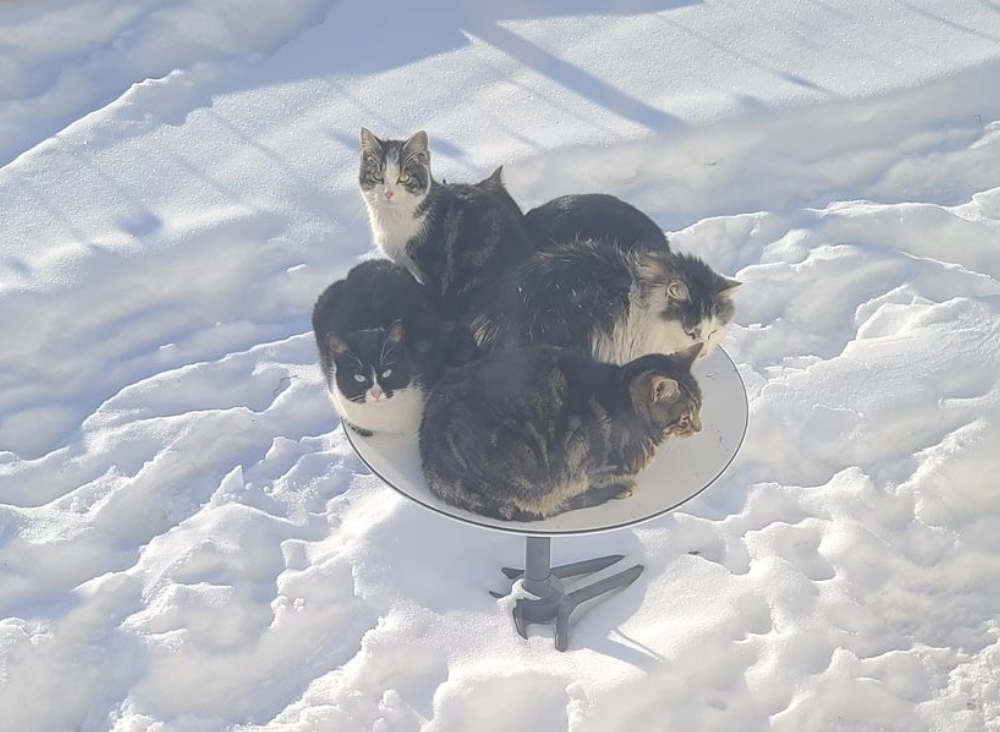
[(663, 390), (394, 174), (371, 365), (694, 300)]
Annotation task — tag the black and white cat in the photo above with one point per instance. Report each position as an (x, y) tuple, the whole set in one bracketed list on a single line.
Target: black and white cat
[(529, 433), (382, 339), (454, 238), (597, 216), (616, 305)]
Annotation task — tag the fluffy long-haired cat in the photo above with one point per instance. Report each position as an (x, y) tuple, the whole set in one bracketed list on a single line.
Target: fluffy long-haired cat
[(454, 238), (614, 304), (529, 433), (382, 339), (600, 217)]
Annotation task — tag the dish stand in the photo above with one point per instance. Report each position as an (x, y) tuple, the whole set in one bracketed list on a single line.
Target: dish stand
[(548, 601)]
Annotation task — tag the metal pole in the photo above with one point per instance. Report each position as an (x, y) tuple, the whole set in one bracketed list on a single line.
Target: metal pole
[(537, 560)]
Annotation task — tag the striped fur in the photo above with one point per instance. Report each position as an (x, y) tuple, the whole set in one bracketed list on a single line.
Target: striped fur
[(528, 433)]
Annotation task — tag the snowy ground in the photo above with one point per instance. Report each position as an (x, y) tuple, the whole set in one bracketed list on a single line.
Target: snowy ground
[(188, 543)]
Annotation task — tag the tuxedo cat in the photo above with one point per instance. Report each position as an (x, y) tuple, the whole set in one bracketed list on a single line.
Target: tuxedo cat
[(454, 238), (529, 433), (382, 338), (597, 216), (616, 305)]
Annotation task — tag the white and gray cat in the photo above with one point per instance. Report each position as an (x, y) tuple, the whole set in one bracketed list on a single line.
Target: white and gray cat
[(529, 433), (614, 303), (454, 238)]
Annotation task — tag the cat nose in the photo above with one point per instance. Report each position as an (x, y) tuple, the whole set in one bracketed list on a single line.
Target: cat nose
[(377, 393), (388, 194)]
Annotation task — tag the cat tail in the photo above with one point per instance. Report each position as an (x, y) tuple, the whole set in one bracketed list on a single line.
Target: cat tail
[(594, 496)]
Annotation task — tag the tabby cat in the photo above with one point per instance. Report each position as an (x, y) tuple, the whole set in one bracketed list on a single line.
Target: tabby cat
[(382, 339), (613, 304), (597, 216), (526, 434), (453, 238)]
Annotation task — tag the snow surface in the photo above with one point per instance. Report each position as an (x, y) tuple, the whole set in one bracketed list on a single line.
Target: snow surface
[(187, 542)]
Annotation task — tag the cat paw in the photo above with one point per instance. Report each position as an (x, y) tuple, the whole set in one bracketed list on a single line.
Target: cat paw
[(626, 490)]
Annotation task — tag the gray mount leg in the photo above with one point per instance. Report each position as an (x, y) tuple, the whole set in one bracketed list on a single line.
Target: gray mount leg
[(549, 602)]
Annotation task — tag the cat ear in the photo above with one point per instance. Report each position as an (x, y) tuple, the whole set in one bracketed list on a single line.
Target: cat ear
[(662, 388), (370, 143), (395, 335), (496, 177), (337, 345), (687, 357), (678, 290), (727, 288), (418, 147)]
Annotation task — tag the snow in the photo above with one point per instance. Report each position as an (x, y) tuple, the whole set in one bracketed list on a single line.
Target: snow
[(187, 541)]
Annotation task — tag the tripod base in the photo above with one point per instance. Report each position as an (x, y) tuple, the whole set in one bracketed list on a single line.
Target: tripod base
[(548, 601)]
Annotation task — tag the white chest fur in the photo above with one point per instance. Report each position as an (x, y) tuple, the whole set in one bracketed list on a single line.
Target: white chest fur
[(399, 415), (394, 222), (392, 227), (640, 332)]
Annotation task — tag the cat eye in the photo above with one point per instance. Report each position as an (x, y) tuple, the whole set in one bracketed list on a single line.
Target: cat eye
[(403, 177), (359, 377), (387, 373)]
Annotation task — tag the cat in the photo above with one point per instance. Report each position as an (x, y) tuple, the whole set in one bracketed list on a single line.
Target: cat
[(453, 237), (597, 216), (382, 339), (613, 304), (529, 433)]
